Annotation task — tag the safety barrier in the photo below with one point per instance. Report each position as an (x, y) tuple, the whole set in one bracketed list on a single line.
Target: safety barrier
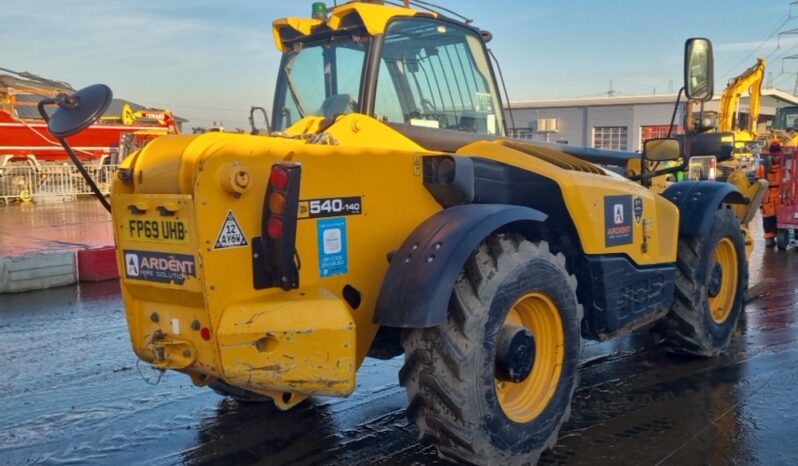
[(50, 182)]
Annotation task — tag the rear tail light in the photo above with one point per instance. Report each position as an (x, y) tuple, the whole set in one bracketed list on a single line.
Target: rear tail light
[(276, 203), (279, 177), (274, 228), (275, 260), (712, 168)]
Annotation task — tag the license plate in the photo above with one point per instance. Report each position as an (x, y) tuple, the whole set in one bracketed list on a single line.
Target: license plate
[(171, 231)]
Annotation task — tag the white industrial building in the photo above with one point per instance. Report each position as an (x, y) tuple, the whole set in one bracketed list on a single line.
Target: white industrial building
[(619, 122)]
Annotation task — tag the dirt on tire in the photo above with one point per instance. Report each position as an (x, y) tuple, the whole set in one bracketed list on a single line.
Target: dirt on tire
[(449, 369)]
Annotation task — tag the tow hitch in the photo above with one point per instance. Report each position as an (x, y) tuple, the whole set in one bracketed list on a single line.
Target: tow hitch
[(171, 353)]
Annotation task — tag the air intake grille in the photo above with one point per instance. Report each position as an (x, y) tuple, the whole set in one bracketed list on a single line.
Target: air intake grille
[(554, 157)]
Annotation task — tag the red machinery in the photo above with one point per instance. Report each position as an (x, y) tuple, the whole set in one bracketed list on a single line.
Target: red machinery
[(24, 135), (787, 204)]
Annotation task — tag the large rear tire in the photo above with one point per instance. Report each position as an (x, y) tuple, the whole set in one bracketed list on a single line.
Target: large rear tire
[(461, 394), (711, 281)]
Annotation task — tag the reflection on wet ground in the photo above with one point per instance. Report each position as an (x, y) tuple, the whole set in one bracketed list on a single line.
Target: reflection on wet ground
[(72, 394), (51, 226)]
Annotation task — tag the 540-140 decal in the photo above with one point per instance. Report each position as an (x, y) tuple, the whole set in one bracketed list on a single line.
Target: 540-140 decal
[(330, 207)]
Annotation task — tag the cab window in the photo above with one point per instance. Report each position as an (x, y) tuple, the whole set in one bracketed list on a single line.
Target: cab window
[(320, 79), (437, 75)]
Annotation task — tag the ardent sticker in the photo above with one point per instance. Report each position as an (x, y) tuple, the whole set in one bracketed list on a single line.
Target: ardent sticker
[(332, 247), (330, 207), (617, 220), (159, 267), (231, 235)]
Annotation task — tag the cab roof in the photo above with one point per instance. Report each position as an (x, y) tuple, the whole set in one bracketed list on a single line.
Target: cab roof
[(374, 17)]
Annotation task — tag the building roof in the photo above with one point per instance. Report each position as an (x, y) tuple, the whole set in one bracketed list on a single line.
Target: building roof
[(631, 100), (26, 108)]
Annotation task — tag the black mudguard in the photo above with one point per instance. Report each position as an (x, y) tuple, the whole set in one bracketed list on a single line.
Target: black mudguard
[(697, 202), (416, 288)]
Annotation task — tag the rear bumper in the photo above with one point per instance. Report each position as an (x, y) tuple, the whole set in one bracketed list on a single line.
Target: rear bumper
[(303, 341)]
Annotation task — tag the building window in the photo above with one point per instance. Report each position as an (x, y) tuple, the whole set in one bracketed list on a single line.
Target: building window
[(657, 131), (610, 137), (521, 133)]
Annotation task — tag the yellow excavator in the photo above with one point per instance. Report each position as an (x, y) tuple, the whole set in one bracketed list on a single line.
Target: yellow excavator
[(728, 116), (750, 81)]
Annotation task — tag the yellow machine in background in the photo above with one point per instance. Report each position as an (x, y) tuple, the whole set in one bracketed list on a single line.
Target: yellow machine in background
[(749, 81), (387, 213), (160, 116), (784, 128)]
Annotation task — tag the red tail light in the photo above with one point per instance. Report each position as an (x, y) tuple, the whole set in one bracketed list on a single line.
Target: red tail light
[(279, 178), (276, 262), (274, 228)]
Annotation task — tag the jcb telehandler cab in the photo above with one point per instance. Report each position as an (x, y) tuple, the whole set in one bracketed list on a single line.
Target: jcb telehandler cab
[(387, 213)]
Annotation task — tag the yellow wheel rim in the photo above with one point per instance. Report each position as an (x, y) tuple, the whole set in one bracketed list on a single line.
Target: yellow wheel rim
[(722, 291), (525, 400)]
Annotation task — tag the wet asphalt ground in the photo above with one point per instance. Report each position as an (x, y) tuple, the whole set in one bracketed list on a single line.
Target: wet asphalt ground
[(72, 393)]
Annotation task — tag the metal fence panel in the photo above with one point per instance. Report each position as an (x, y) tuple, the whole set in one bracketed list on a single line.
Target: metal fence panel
[(51, 182)]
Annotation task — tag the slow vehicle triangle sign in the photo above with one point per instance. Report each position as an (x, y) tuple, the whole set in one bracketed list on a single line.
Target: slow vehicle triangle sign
[(231, 235)]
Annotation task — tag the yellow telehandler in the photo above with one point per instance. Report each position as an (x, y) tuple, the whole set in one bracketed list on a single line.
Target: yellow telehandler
[(387, 212)]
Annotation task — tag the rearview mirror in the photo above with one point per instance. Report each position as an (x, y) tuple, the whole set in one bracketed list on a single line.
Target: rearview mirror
[(698, 69), (76, 112), (662, 149)]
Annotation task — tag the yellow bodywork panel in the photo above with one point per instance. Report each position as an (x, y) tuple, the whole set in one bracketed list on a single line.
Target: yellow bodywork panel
[(190, 299), (373, 17), (584, 195), (191, 171)]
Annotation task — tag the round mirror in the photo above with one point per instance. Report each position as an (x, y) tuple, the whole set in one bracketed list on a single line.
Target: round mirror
[(79, 110)]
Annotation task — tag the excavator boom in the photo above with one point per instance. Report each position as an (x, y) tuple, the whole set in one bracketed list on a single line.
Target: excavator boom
[(751, 81)]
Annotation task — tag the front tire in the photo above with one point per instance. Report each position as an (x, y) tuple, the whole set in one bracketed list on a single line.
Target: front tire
[(459, 391), (711, 280)]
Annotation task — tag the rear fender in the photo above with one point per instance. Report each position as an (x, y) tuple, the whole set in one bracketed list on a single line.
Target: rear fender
[(416, 288)]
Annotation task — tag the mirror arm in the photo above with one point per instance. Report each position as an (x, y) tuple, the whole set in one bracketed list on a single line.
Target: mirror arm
[(79, 165), (40, 106), (675, 109), (648, 175), (75, 160)]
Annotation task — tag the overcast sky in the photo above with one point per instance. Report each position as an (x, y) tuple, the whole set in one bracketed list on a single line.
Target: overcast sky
[(211, 60)]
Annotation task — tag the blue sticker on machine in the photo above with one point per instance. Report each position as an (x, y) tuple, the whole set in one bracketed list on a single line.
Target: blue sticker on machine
[(332, 247), (159, 266)]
